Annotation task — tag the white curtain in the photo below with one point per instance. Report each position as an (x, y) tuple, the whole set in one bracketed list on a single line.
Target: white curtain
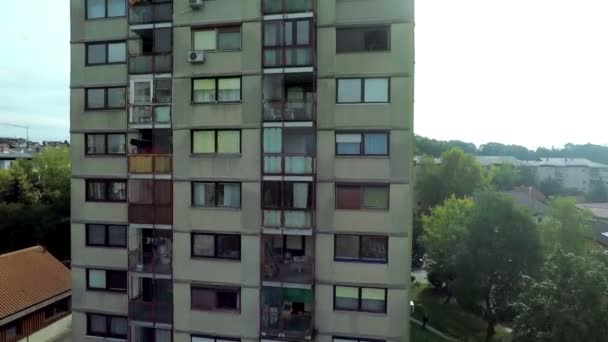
[(272, 218), (300, 195), (232, 196), (272, 164), (199, 194), (273, 140), (376, 143), (298, 165), (376, 90), (297, 219), (97, 279)]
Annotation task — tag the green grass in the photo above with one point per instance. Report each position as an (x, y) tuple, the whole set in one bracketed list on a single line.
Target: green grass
[(420, 335), (450, 318)]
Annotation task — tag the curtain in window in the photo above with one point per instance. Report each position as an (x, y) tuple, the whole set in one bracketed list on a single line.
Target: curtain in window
[(375, 197), (229, 246), (97, 279), (203, 91), (376, 90), (229, 89), (96, 190), (348, 144), (297, 219), (117, 52), (230, 196), (298, 56), (348, 197), (203, 142), (373, 248), (96, 53), (272, 164), (95, 98), (272, 140), (349, 90), (298, 165), (96, 234), (300, 195), (95, 144), (117, 191), (203, 245), (303, 32), (376, 143), (116, 97), (142, 92), (118, 326), (347, 298), (228, 142), (204, 194), (373, 300), (96, 9), (347, 246), (162, 114), (204, 40), (202, 339), (97, 323), (116, 8), (202, 298), (116, 143), (229, 38), (272, 218), (272, 33), (117, 236)]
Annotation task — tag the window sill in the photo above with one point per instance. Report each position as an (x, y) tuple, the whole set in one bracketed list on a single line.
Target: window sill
[(387, 51), (215, 103), (206, 258), (106, 247), (359, 261), (362, 156), (214, 208), (216, 155), (346, 311), (219, 311)]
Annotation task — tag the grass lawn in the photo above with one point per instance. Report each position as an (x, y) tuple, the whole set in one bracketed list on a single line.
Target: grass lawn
[(420, 335), (450, 318)]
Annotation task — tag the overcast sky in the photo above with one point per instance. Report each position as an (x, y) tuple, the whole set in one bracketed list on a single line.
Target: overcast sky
[(528, 72)]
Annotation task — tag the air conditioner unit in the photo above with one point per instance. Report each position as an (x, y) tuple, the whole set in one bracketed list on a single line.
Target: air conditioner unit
[(196, 4), (196, 57)]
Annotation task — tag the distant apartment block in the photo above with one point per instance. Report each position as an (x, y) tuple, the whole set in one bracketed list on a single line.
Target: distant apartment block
[(241, 170), (9, 155)]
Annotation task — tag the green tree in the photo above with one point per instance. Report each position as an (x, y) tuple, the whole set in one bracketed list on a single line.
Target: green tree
[(504, 177), (569, 304), (566, 226), (598, 192), (551, 187), (429, 187), (502, 245), (527, 176)]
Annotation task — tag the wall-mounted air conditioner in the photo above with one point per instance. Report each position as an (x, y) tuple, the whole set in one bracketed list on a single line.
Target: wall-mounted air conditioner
[(196, 57)]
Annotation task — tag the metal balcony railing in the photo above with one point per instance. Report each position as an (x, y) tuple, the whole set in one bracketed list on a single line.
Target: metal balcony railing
[(288, 110), (150, 13), (289, 164), (151, 64), (145, 114), (288, 56), (287, 6), (150, 213), (298, 326), (150, 163), (291, 218), (295, 269), (151, 311), (158, 263)]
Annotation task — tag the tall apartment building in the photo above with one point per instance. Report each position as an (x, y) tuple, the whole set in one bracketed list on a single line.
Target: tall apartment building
[(241, 169)]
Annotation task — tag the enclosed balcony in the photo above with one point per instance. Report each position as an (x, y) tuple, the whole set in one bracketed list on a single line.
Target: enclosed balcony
[(150, 12), (289, 43), (150, 201), (287, 6), (288, 259), (288, 205), (150, 152), (287, 313), (151, 300), (289, 151), (150, 102), (146, 334), (152, 253), (289, 97), (150, 53)]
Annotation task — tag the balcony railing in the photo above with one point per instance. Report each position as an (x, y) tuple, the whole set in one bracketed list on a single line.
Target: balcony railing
[(151, 64), (287, 6), (150, 213), (150, 163), (142, 334), (150, 115), (287, 326), (289, 164), (295, 269), (151, 311), (296, 56), (295, 219), (150, 13), (158, 263), (289, 110)]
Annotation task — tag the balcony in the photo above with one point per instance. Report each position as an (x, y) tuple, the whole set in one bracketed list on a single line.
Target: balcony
[(287, 6), (288, 164), (155, 262), (150, 201), (151, 300), (150, 214), (150, 163), (289, 151), (145, 334), (287, 313), (151, 64), (150, 13), (289, 219), (289, 97), (288, 259), (288, 56), (144, 311), (278, 110), (149, 115)]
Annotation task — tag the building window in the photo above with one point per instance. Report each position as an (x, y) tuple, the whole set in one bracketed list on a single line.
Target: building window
[(216, 195), (360, 39), (206, 298), (106, 235), (105, 98), (57, 309), (361, 248), (213, 90), (106, 53), (106, 191), (106, 280), (105, 143), (362, 144), (216, 141), (198, 338), (220, 39), (354, 339), (107, 326), (356, 196), (363, 90), (220, 246), (364, 299), (97, 9)]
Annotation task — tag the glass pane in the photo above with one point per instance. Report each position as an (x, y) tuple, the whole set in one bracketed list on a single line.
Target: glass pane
[(347, 247), (162, 40), (229, 40), (96, 98), (116, 143), (96, 9), (229, 246), (347, 298), (96, 53), (116, 8), (375, 197), (204, 40), (203, 91), (162, 90), (118, 326), (96, 144), (97, 279), (203, 245), (348, 197), (204, 194), (203, 299), (203, 142), (142, 92), (376, 144), (162, 114), (374, 248), (229, 195), (96, 191), (117, 191), (228, 142), (289, 33), (272, 195), (117, 236), (349, 40), (117, 52), (229, 89), (303, 32), (116, 98), (97, 324), (376, 39), (272, 140), (116, 280), (373, 300), (349, 90), (96, 234), (376, 90), (227, 299), (272, 33)]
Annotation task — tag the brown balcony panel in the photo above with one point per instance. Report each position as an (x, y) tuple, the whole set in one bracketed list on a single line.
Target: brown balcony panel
[(150, 311), (148, 163), (150, 214)]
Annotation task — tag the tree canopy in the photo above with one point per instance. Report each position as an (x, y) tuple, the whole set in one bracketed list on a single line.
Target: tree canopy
[(566, 226)]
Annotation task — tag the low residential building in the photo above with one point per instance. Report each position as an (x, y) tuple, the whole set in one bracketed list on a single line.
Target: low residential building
[(574, 173), (8, 156), (35, 296), (599, 221)]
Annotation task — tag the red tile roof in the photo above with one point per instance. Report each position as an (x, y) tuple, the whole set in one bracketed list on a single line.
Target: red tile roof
[(28, 277)]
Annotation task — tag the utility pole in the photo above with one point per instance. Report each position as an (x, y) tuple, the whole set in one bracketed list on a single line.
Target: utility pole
[(27, 132)]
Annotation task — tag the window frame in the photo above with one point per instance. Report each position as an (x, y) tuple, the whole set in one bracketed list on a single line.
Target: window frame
[(107, 182), (105, 98), (86, 11), (360, 299), (106, 235), (362, 99), (354, 339), (216, 81), (388, 27), (215, 338), (216, 290), (362, 145), (217, 30), (362, 186), (107, 288), (359, 258), (215, 246), (216, 139), (105, 144), (108, 319), (107, 44), (215, 184), (56, 309)]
